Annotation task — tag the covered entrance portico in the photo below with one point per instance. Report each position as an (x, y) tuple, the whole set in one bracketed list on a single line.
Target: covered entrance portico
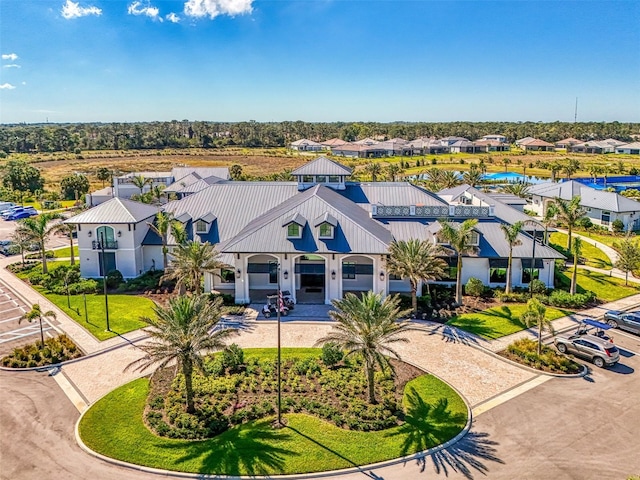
[(310, 279)]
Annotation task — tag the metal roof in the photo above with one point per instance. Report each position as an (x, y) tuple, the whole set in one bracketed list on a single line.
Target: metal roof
[(589, 197), (390, 194), (179, 173), (193, 187), (355, 231), (322, 166), (494, 244), (116, 210), (326, 218)]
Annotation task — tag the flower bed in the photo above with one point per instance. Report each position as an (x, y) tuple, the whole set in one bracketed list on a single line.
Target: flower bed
[(525, 351), (56, 350)]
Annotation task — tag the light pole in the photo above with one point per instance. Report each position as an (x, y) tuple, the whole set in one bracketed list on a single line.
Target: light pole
[(104, 281), (533, 260), (278, 307)]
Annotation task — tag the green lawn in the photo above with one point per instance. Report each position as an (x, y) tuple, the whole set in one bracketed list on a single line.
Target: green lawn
[(66, 252), (499, 321), (124, 312), (607, 239), (592, 256), (113, 427), (605, 287)]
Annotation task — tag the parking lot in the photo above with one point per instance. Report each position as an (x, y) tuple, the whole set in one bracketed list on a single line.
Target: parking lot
[(12, 332)]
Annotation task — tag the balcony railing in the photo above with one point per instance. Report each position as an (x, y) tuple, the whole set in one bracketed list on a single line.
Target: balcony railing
[(108, 245)]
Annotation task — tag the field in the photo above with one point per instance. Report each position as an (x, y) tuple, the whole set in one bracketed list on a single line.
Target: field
[(263, 161)]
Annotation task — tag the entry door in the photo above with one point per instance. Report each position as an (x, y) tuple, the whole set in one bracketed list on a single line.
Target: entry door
[(109, 262)]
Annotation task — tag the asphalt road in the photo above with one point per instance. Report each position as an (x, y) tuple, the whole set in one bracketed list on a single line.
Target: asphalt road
[(563, 429)]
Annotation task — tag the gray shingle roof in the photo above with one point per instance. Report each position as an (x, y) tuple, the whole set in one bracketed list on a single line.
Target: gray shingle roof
[(322, 166), (355, 230), (589, 197), (116, 210)]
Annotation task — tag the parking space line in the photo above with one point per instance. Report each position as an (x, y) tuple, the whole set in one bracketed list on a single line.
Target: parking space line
[(11, 319), (16, 336)]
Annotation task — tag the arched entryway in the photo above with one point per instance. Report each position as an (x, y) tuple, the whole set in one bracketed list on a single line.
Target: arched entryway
[(262, 273), (357, 274), (311, 281)]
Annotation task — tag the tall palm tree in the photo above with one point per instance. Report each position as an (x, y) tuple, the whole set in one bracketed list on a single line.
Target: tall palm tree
[(190, 261), (520, 189), (393, 170), (162, 226), (36, 313), (179, 233), (568, 213), (368, 326), (459, 238), (38, 229), (511, 233), (182, 333), (536, 316), (374, 169), (157, 192), (139, 181), (449, 179), (67, 229), (416, 260), (594, 170), (576, 250), (548, 220), (554, 168), (473, 176)]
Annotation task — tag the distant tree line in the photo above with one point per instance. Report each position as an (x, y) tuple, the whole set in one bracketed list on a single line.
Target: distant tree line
[(25, 138)]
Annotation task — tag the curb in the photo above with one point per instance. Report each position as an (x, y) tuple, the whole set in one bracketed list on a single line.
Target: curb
[(330, 473)]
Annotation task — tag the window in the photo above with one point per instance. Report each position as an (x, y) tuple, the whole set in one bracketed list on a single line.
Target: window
[(349, 270), (526, 274), (334, 179), (321, 179), (474, 238), (201, 226), (307, 179), (273, 272), (466, 201), (605, 218), (293, 231), (498, 275), (227, 276), (326, 230), (394, 277)]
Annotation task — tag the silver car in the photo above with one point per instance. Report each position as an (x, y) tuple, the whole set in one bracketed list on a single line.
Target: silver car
[(625, 321), (589, 347)]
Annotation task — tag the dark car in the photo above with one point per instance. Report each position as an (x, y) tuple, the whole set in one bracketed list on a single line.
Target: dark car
[(20, 215), (629, 321)]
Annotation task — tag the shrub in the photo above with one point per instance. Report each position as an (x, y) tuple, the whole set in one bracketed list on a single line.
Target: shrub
[(232, 358), (585, 222), (114, 278), (617, 225), (525, 351), (562, 299), (332, 354), (513, 297), (474, 287), (538, 287), (227, 299)]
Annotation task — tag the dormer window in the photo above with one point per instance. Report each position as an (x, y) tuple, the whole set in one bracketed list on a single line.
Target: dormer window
[(334, 179), (293, 231), (474, 239), (326, 231), (202, 226)]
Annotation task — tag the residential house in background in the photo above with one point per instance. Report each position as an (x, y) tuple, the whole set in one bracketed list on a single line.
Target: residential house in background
[(629, 148), (597, 146), (530, 144), (305, 145), (567, 144)]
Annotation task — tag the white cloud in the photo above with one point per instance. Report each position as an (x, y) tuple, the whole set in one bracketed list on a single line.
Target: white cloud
[(74, 10), (173, 18), (136, 8), (10, 56), (12, 65), (213, 8), (6, 86)]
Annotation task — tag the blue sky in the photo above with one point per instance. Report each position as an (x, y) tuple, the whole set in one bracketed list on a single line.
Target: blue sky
[(312, 60)]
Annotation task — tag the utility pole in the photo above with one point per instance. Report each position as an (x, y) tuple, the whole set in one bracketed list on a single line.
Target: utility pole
[(278, 307)]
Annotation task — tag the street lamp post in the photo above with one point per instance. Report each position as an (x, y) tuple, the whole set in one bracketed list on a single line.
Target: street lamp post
[(104, 281), (533, 261), (278, 307)]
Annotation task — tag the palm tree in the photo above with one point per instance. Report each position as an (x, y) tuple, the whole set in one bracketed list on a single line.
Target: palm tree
[(67, 229), (449, 179), (181, 333), (374, 169), (536, 315), (139, 181), (548, 220), (594, 170), (157, 192), (520, 189), (179, 233), (21, 241), (37, 229), (473, 176), (511, 233), (393, 170), (569, 213), (416, 260), (506, 161), (460, 240), (36, 313), (576, 249), (103, 174), (368, 326), (162, 226), (190, 261), (554, 168)]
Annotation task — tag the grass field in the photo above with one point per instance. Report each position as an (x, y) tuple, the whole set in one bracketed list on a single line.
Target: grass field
[(497, 322), (593, 256), (609, 240), (66, 252), (114, 427), (605, 287)]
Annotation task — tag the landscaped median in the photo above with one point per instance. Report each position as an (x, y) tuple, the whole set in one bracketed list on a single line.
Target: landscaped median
[(115, 427)]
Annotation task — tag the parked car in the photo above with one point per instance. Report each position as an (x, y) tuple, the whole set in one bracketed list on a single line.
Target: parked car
[(20, 214), (15, 210), (7, 247), (595, 328), (6, 206), (623, 320), (589, 347)]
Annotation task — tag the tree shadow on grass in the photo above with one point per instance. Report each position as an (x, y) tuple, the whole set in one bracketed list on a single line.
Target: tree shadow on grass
[(477, 323), (249, 449), (429, 425)]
